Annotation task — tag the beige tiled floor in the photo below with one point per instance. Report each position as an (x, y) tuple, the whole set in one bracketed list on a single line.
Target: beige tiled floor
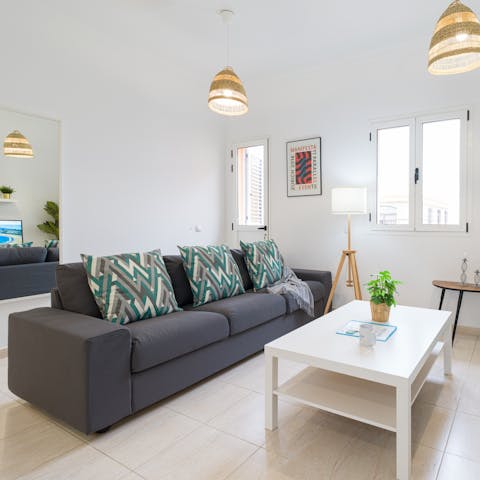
[(215, 431)]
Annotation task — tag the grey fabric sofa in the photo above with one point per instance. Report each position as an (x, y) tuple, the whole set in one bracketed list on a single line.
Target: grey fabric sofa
[(91, 373), (27, 271)]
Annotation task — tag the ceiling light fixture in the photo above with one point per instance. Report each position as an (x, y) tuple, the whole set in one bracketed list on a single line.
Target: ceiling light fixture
[(455, 45), (16, 145), (227, 95)]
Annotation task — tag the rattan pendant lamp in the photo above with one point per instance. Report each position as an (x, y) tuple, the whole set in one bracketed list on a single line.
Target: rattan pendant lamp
[(227, 95), (16, 145), (455, 45)]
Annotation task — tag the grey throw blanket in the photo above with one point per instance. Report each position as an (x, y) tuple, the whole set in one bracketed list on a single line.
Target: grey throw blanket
[(298, 289)]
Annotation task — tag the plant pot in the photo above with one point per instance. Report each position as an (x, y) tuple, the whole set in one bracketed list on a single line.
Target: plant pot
[(7, 196), (380, 312)]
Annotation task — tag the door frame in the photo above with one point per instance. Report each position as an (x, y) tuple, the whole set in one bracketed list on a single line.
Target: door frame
[(233, 203)]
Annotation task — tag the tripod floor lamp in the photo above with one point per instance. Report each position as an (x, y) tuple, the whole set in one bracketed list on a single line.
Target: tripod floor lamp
[(348, 201)]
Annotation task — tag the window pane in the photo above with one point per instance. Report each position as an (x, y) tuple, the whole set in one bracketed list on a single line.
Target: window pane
[(441, 172), (250, 186), (393, 164)]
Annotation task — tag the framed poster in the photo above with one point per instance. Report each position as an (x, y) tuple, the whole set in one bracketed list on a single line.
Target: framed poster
[(304, 167)]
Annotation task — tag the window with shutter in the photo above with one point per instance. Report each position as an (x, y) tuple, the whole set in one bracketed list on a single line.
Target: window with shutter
[(251, 186)]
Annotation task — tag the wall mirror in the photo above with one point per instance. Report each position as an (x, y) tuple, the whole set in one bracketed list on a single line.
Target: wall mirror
[(29, 164)]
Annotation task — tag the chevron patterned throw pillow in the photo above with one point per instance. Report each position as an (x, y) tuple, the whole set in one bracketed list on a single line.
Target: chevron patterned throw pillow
[(130, 286), (18, 245), (51, 243), (212, 272), (264, 262)]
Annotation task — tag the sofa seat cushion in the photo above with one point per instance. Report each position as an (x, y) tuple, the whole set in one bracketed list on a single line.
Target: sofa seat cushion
[(248, 310), (158, 340)]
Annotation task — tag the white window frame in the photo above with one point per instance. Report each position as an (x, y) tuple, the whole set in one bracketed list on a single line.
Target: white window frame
[(415, 122), (254, 143)]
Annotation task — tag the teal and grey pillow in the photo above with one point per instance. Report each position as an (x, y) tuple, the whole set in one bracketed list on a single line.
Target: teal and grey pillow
[(51, 243), (18, 245), (264, 262), (212, 272), (131, 286)]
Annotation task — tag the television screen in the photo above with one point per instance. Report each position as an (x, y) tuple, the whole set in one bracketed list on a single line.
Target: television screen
[(11, 232)]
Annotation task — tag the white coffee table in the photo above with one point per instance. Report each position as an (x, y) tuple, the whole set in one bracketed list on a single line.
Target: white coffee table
[(372, 385)]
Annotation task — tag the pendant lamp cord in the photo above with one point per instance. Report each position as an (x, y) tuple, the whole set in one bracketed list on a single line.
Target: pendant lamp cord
[(227, 29)]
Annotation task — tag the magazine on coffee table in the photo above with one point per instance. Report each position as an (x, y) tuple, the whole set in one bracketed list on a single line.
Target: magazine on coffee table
[(382, 332)]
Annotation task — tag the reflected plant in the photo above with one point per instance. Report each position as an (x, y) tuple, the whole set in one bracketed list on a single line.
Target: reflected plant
[(51, 227)]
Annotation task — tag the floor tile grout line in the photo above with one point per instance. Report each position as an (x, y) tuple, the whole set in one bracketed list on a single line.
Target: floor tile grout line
[(248, 392), (241, 464), (445, 452), (440, 465), (205, 424), (93, 447), (465, 379)]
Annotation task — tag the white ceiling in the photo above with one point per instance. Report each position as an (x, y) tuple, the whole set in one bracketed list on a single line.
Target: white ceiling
[(167, 38), (275, 35)]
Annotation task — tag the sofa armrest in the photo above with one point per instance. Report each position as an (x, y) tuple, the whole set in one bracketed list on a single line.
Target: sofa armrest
[(316, 275), (75, 367)]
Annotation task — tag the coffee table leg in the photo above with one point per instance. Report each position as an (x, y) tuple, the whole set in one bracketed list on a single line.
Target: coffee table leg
[(404, 433), (447, 350), (271, 383)]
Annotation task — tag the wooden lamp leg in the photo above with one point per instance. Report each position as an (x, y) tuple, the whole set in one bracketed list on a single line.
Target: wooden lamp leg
[(356, 281), (335, 282)]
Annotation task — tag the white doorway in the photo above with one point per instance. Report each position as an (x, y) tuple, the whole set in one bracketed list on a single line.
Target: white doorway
[(249, 178)]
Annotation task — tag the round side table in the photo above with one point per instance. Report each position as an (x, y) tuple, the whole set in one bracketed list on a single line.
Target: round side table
[(458, 287)]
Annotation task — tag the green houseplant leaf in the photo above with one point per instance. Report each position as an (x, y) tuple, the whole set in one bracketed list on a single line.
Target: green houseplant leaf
[(383, 288), (7, 189), (51, 227)]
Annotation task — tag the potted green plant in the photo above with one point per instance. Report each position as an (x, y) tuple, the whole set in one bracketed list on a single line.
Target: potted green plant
[(382, 292), (6, 192), (51, 226)]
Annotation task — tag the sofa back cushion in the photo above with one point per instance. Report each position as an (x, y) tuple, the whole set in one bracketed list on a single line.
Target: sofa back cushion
[(75, 294), (180, 283), (22, 256), (53, 254), (239, 257)]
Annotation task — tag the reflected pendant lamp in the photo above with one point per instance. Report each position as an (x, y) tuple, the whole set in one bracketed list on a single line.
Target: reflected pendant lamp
[(227, 95), (16, 145), (455, 45)]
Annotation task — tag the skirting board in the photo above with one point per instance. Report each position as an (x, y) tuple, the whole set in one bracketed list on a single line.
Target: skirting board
[(464, 330)]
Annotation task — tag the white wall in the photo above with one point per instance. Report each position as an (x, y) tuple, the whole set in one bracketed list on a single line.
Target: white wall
[(35, 180), (141, 154), (337, 103)]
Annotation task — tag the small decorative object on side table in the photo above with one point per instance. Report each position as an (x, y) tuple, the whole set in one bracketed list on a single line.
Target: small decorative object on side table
[(464, 267), (457, 287), (476, 278)]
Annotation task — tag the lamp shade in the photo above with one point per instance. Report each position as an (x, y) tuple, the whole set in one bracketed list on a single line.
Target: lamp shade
[(349, 201), (16, 145), (227, 95), (455, 45)]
